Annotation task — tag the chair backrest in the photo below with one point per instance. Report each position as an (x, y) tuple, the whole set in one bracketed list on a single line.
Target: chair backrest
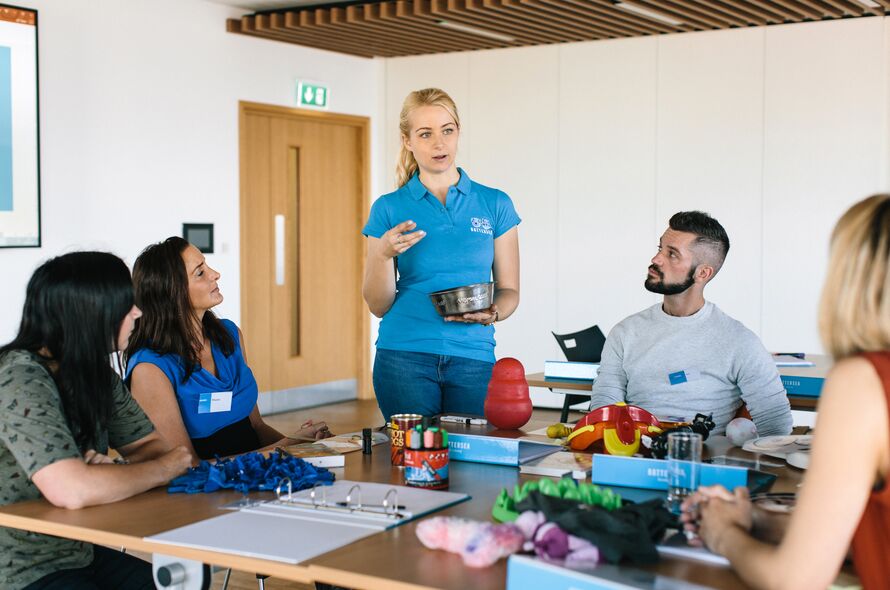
[(585, 346)]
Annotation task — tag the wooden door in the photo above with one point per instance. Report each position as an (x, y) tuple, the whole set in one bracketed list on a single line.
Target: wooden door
[(304, 199)]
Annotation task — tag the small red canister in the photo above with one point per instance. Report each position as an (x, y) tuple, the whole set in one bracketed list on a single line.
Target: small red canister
[(398, 425), (427, 468)]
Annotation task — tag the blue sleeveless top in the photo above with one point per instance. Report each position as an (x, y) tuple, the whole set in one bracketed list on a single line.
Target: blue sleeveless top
[(234, 376)]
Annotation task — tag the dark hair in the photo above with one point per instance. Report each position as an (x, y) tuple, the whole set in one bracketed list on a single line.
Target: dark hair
[(708, 232), (167, 325), (74, 307)]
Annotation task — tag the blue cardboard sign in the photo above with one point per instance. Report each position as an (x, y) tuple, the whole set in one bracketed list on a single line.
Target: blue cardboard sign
[(530, 573), (652, 474), (805, 386), (495, 450)]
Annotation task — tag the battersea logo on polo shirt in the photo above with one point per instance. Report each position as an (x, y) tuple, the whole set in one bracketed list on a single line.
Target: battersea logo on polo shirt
[(480, 225)]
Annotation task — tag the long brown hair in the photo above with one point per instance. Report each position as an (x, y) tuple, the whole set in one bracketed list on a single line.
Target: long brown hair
[(854, 313), (407, 165), (168, 321)]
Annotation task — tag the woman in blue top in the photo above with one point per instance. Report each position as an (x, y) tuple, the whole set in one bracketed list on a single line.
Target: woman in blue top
[(437, 231), (186, 367)]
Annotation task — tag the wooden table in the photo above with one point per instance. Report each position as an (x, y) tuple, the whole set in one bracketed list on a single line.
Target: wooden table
[(583, 387), (392, 560)]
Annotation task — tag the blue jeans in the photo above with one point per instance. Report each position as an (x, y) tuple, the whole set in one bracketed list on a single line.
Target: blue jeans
[(429, 384)]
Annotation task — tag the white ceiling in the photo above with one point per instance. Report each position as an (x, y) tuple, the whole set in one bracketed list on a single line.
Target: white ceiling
[(258, 5)]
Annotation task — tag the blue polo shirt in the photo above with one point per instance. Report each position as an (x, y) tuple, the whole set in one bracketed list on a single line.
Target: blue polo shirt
[(458, 250)]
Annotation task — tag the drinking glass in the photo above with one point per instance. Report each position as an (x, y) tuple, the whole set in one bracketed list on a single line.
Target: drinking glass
[(683, 463)]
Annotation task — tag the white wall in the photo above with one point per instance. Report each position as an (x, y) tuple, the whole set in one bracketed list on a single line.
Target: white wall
[(824, 146), (775, 131), (139, 127)]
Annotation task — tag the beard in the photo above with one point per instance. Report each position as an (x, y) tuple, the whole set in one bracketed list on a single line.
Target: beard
[(659, 286)]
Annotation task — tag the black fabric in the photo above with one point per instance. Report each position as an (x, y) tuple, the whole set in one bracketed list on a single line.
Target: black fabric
[(109, 570), (629, 532), (234, 439)]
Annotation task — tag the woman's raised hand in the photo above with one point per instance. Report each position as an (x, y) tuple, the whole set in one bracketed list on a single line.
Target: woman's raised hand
[(398, 239)]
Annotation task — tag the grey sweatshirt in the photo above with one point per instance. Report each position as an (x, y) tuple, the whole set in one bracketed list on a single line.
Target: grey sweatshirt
[(679, 366)]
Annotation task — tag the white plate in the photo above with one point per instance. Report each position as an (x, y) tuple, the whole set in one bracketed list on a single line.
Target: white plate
[(779, 446), (800, 459)]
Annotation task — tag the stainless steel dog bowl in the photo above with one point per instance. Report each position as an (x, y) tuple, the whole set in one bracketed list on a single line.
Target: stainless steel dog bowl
[(463, 299)]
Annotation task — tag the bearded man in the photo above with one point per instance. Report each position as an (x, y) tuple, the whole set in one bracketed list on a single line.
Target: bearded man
[(684, 356)]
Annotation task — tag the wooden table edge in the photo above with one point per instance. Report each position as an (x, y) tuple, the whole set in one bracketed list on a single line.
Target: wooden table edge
[(346, 579), (288, 571), (797, 402), (538, 380)]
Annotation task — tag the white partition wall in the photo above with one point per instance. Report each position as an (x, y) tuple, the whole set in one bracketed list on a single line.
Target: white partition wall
[(513, 138), (885, 113), (709, 150), (139, 128), (606, 182), (775, 131), (824, 149)]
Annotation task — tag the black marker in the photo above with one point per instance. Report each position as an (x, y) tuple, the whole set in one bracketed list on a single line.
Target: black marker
[(366, 441)]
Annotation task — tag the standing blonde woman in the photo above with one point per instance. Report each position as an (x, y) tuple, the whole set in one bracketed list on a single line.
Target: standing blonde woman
[(438, 230), (845, 496)]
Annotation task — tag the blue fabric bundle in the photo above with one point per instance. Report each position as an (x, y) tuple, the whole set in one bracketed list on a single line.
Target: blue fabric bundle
[(251, 471)]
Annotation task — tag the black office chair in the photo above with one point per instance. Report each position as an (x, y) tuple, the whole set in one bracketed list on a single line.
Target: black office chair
[(585, 346)]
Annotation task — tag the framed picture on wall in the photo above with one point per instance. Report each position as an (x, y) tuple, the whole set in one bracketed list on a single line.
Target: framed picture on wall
[(19, 129)]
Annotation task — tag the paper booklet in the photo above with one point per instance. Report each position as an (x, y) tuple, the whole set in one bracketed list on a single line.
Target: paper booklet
[(578, 465), (352, 441), (299, 526), (316, 454), (790, 360)]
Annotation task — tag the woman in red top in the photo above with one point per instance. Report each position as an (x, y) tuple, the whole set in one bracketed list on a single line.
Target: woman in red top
[(845, 497)]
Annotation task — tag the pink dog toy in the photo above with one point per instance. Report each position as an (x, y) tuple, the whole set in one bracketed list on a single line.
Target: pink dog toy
[(479, 544)]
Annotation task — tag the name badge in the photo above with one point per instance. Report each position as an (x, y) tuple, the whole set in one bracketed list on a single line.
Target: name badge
[(683, 376), (218, 401)]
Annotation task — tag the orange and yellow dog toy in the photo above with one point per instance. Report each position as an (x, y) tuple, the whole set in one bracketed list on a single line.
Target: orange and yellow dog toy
[(619, 426)]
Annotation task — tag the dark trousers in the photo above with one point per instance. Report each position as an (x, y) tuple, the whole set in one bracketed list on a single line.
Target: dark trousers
[(109, 570)]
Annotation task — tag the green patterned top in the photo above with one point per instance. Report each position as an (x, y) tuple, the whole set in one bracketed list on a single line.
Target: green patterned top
[(34, 434)]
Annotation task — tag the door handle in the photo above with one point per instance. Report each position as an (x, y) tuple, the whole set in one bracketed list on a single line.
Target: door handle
[(279, 250)]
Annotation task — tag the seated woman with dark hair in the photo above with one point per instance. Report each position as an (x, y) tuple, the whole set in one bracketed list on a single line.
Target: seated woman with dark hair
[(63, 408), (187, 368)]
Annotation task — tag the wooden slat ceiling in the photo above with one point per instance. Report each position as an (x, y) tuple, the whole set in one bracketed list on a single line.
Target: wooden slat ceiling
[(415, 27)]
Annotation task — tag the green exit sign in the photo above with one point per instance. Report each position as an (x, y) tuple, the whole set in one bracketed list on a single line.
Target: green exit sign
[(312, 95)]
